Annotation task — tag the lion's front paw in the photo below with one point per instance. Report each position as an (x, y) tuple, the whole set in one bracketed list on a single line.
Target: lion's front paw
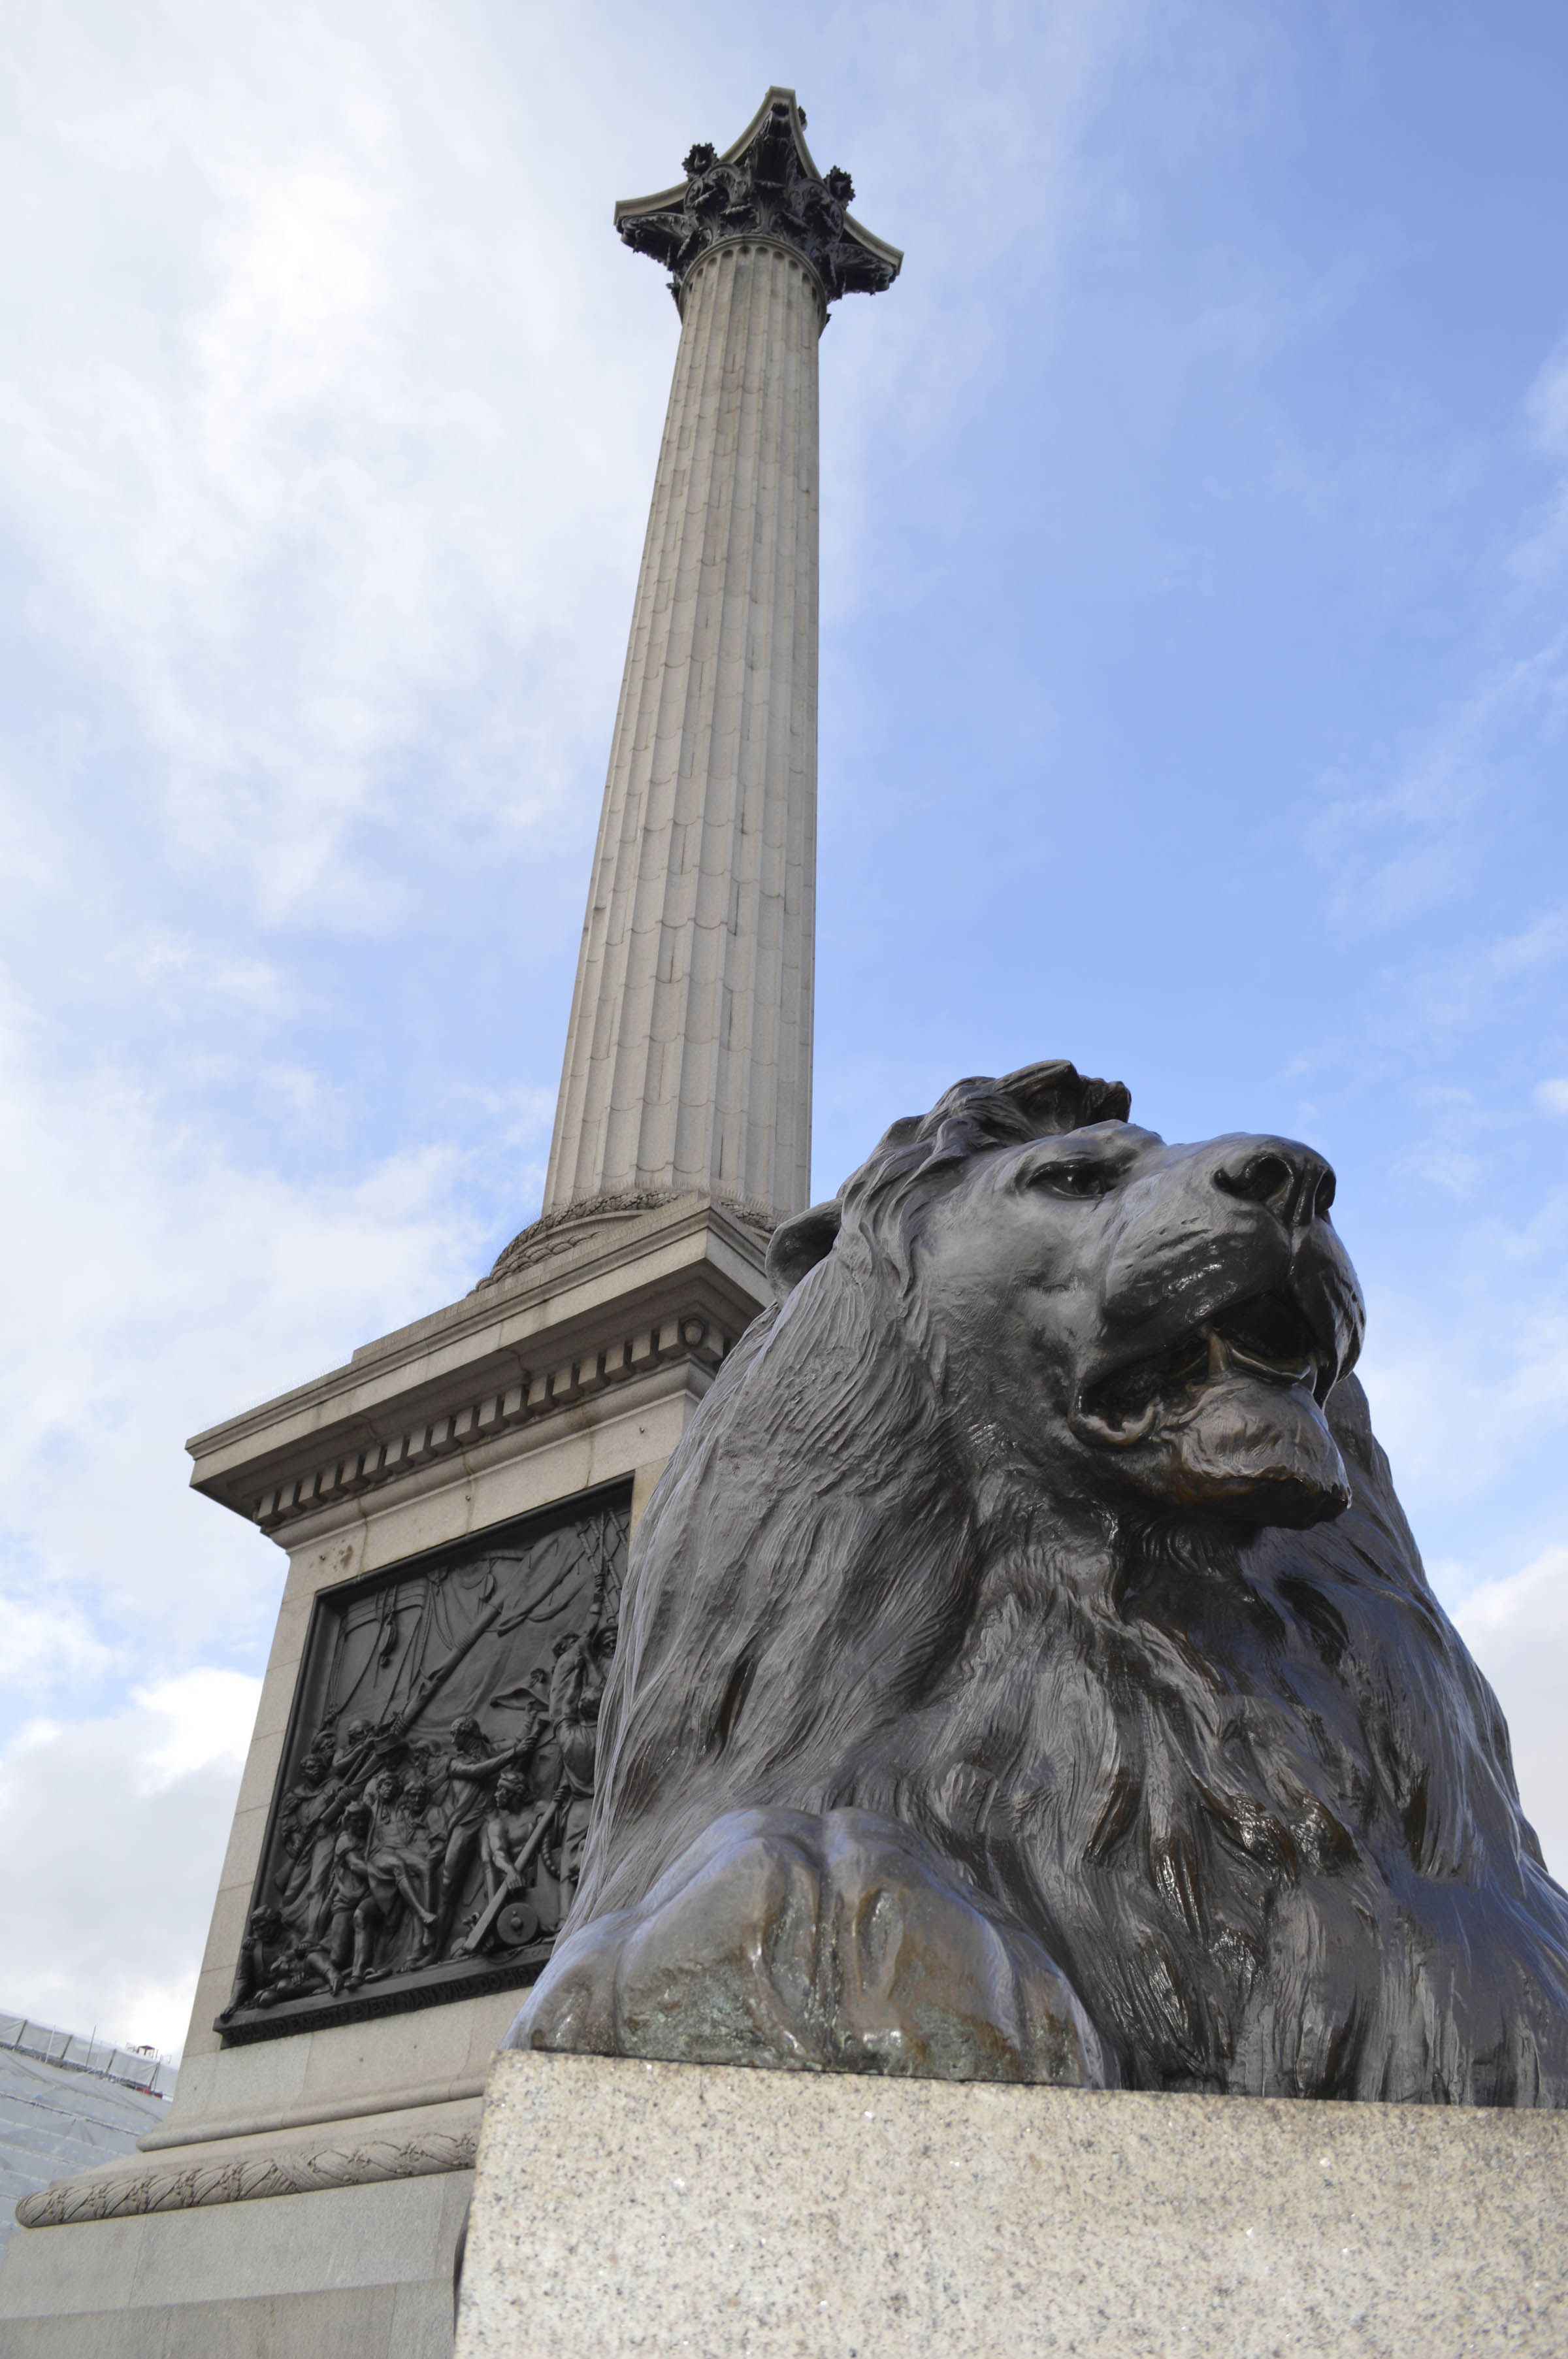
[(834, 1943)]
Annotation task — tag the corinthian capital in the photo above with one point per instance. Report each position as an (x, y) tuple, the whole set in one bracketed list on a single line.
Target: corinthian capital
[(765, 186)]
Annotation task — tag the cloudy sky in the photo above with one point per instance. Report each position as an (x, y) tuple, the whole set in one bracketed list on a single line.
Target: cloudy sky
[(1194, 672)]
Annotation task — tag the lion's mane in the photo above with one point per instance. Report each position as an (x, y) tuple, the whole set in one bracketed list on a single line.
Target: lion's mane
[(1252, 1796)]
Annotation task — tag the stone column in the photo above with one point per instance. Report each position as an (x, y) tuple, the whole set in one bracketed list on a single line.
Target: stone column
[(688, 1055), (689, 1059)]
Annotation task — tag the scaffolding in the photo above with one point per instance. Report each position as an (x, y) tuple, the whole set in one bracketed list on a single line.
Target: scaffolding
[(142, 2069)]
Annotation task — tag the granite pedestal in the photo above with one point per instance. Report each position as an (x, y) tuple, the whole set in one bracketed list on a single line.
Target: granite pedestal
[(574, 1369), (356, 2272), (625, 2207)]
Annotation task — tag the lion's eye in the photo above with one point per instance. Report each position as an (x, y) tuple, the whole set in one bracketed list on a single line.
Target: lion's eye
[(1074, 1179)]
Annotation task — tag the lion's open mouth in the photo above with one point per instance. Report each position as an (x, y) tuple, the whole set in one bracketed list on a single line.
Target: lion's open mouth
[(1267, 1336)]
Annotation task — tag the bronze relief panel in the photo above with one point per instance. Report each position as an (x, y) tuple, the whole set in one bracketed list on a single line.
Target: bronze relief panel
[(428, 1824)]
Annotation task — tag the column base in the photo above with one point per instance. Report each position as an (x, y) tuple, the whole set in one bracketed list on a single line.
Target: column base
[(351, 2273)]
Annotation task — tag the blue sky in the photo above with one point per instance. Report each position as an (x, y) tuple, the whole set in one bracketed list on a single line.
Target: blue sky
[(1193, 671)]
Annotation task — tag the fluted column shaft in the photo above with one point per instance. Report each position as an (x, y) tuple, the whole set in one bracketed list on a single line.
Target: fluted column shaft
[(688, 1056)]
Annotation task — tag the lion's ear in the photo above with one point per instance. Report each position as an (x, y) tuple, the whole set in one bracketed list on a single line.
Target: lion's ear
[(799, 1245), (1056, 1097)]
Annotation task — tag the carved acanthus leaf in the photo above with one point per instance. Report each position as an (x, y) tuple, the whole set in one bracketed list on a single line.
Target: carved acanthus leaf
[(765, 186)]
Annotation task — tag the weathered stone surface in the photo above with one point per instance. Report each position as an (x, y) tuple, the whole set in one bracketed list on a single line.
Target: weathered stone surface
[(358, 2273), (625, 2207)]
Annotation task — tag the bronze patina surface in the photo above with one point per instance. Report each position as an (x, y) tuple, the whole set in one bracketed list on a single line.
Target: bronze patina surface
[(1027, 1672)]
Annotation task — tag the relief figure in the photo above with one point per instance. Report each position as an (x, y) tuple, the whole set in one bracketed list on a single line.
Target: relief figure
[(444, 1736)]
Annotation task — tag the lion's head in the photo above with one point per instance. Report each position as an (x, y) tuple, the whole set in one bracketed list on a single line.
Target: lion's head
[(1110, 1317), (1040, 1527)]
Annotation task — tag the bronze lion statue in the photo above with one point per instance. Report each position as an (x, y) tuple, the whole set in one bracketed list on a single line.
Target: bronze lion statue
[(1026, 1670)]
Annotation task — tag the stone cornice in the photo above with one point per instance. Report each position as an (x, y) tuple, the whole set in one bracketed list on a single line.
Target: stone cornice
[(573, 1382), (660, 1295), (764, 187)]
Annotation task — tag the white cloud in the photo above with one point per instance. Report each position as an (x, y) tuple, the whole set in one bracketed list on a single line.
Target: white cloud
[(208, 1717), (303, 437), (1406, 847), (152, 1288), (1546, 405), (1518, 1631), (1470, 1370), (333, 403), (112, 1836), (1435, 1000), (1551, 1096), (1540, 551), (46, 1646), (1410, 844)]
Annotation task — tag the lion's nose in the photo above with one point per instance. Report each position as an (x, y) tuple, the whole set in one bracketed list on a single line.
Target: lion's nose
[(1295, 1183)]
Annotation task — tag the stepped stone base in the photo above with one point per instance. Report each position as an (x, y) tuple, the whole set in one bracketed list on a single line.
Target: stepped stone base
[(354, 2273), (625, 2207)]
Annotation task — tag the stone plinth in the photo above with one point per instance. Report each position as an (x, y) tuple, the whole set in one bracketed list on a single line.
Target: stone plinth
[(351, 2273), (625, 2207), (577, 1365)]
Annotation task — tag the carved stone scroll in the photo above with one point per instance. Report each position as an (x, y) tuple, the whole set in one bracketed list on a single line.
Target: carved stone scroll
[(288, 2170), (428, 1824)]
